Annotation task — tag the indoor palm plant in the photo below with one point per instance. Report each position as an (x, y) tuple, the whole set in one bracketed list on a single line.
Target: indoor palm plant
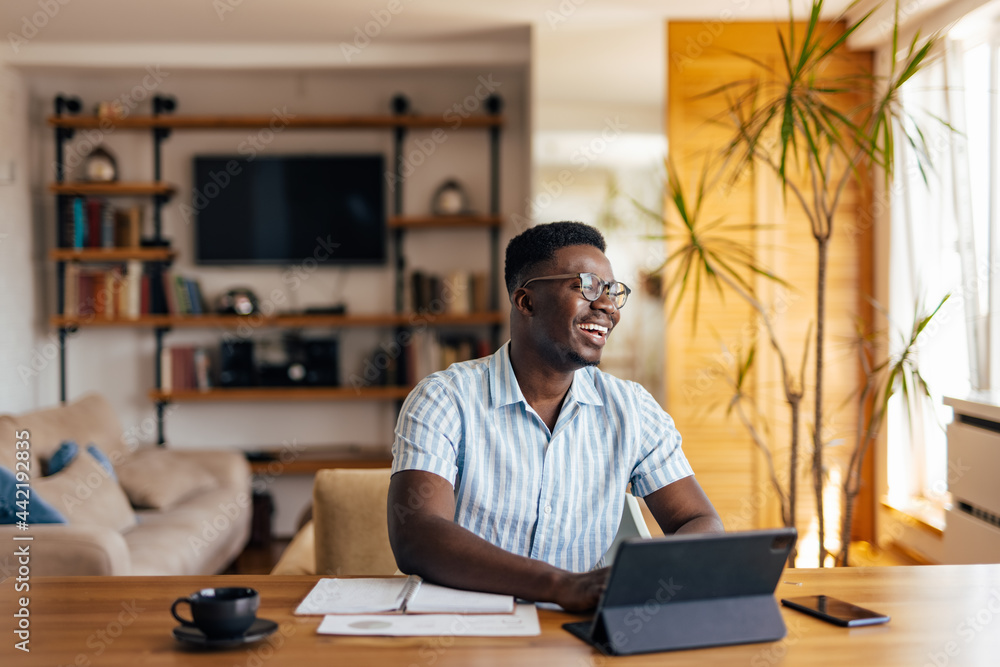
[(818, 134)]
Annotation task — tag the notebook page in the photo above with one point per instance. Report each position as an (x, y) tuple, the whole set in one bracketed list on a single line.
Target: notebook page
[(354, 596), (433, 599)]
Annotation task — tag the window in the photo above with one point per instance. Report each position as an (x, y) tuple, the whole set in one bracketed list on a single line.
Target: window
[(944, 239)]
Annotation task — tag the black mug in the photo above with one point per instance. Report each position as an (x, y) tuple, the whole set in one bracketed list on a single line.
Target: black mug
[(220, 612)]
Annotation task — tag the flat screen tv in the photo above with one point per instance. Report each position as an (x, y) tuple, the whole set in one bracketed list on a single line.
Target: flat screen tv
[(285, 209)]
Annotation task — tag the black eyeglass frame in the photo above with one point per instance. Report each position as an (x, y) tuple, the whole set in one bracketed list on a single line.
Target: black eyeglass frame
[(605, 287)]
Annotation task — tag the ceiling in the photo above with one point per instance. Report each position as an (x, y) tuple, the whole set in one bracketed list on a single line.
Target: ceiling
[(276, 21), (584, 54)]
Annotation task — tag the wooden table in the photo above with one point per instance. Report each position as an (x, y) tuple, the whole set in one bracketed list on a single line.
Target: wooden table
[(941, 616)]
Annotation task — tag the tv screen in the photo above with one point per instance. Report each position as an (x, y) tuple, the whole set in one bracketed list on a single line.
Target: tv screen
[(284, 209)]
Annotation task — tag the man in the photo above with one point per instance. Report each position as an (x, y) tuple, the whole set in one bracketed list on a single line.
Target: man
[(510, 472)]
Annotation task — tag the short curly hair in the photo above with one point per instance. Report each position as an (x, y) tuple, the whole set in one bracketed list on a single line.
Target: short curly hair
[(539, 244)]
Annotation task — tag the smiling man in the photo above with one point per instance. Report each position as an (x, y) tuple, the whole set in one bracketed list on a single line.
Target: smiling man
[(510, 472)]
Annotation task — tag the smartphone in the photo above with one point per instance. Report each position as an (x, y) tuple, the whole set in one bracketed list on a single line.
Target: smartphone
[(835, 611)]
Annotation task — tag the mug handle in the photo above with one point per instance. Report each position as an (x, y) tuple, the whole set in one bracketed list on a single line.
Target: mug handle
[(173, 611)]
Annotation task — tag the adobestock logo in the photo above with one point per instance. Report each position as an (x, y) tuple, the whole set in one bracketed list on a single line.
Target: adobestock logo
[(381, 18), (31, 26)]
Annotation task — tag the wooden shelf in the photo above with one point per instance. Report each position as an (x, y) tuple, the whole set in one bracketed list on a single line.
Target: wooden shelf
[(233, 321), (312, 459), (382, 324), (444, 221), (99, 320), (282, 394), (307, 121), (111, 254), (112, 189), (452, 319)]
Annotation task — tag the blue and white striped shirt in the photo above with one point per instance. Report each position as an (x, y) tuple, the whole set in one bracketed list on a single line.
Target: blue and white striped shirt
[(556, 496)]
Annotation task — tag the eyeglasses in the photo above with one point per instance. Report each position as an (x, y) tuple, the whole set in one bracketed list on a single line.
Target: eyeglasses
[(592, 287)]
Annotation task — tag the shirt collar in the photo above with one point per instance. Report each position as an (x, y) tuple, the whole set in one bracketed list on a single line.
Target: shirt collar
[(504, 389), (584, 387)]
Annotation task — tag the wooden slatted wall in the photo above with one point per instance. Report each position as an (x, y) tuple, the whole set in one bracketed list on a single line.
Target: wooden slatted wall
[(701, 58)]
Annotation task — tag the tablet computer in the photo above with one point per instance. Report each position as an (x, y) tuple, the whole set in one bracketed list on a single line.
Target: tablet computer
[(691, 591)]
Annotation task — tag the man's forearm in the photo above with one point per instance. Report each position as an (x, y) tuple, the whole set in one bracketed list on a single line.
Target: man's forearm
[(444, 552), (702, 524)]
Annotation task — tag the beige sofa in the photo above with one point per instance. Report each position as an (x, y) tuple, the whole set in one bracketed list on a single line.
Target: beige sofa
[(163, 512)]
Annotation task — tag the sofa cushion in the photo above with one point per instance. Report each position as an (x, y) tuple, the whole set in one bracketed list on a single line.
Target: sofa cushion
[(201, 535), (160, 479), (85, 494), (36, 510)]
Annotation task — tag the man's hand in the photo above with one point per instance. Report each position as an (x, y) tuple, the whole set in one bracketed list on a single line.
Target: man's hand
[(581, 592)]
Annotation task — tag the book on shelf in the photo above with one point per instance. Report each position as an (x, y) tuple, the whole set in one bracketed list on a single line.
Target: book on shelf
[(430, 351), (79, 223), (107, 215), (458, 293), (185, 368), (71, 290), (94, 225), (154, 292), (166, 370), (479, 292), (398, 595), (136, 274), (194, 296), (128, 227), (67, 228), (181, 296), (122, 290), (94, 291), (92, 222)]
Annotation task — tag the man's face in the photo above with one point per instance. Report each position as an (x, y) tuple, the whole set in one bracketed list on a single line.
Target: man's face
[(568, 329)]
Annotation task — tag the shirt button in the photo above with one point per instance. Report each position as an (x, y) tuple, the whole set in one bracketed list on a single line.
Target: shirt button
[(548, 509)]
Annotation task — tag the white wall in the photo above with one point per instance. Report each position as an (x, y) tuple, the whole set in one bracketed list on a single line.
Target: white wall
[(590, 73), (119, 362), (598, 119), (20, 316)]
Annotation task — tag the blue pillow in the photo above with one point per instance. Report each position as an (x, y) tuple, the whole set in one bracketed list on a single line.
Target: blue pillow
[(103, 459), (62, 457), (67, 452), (39, 511)]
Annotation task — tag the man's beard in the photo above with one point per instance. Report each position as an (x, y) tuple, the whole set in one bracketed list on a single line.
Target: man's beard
[(575, 357)]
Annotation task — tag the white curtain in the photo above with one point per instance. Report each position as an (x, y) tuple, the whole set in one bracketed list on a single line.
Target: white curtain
[(943, 238)]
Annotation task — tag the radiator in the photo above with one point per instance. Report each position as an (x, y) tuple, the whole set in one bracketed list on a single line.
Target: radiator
[(972, 529)]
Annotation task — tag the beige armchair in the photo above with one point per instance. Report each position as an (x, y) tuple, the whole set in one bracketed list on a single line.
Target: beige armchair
[(349, 531)]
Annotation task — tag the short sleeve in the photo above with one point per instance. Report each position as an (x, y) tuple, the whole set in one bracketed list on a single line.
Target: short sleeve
[(661, 459), (428, 431)]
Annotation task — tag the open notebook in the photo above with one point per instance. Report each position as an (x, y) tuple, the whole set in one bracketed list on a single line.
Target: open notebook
[(397, 595)]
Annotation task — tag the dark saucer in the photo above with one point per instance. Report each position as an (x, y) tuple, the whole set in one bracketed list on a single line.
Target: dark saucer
[(194, 637)]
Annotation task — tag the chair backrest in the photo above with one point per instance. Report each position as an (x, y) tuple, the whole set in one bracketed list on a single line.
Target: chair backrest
[(351, 528), (633, 524)]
